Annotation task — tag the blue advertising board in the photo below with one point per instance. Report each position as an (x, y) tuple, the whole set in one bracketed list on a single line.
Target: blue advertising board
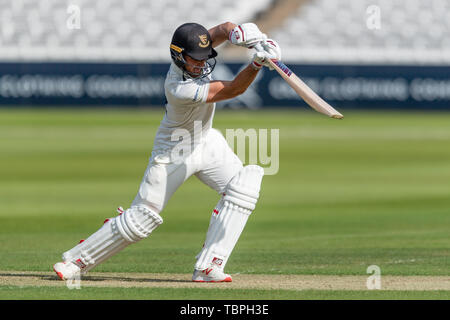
[(128, 84)]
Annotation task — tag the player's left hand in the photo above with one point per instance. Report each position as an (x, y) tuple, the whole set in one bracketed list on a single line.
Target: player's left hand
[(246, 35)]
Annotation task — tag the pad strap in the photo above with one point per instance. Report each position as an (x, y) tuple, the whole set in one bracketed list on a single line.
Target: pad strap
[(117, 233), (137, 223)]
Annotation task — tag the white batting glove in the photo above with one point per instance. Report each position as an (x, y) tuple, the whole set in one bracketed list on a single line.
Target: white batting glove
[(271, 51), (260, 59), (274, 50), (246, 35)]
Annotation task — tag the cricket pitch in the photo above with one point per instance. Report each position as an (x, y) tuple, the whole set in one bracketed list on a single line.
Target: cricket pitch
[(240, 281)]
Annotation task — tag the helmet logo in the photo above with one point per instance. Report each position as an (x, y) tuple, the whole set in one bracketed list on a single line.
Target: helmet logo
[(204, 42)]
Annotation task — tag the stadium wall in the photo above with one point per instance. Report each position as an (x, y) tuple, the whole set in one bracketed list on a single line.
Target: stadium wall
[(345, 86)]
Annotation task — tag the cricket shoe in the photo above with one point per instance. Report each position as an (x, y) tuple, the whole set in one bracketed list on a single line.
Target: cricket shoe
[(67, 270), (212, 274)]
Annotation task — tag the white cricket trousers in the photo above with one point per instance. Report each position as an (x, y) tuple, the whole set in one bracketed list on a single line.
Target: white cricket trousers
[(212, 161)]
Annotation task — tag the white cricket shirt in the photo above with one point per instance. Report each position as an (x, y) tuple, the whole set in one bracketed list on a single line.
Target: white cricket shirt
[(186, 104)]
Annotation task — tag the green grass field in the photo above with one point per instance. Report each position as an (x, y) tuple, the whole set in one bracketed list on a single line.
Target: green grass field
[(372, 189)]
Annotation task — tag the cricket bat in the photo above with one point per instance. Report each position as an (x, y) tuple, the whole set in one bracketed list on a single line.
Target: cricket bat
[(305, 92)]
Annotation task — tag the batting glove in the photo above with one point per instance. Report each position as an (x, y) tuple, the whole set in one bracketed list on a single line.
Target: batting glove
[(274, 50), (260, 59), (271, 51), (246, 35)]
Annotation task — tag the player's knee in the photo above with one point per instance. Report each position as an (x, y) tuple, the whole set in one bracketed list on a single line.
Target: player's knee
[(137, 222), (243, 189)]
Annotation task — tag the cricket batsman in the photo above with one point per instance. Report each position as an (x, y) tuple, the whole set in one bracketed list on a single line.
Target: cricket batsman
[(186, 144)]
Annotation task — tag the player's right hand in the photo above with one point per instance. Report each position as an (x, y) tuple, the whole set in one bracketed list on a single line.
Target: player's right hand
[(274, 50), (272, 47), (260, 59), (246, 35)]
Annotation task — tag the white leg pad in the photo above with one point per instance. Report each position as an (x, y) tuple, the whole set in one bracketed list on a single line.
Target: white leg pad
[(230, 217), (133, 225)]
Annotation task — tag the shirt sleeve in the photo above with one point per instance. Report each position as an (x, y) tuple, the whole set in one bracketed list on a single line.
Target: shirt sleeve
[(188, 93)]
